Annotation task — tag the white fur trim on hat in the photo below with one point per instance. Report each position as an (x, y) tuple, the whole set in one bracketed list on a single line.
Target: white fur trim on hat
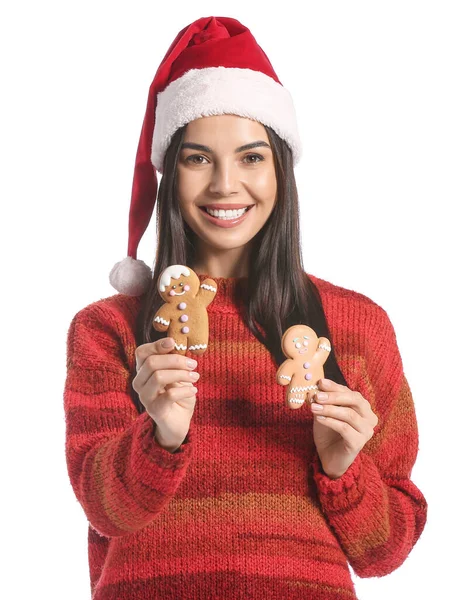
[(130, 276), (223, 90)]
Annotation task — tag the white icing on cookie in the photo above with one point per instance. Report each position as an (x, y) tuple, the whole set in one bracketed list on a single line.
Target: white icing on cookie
[(161, 320), (172, 272), (301, 388)]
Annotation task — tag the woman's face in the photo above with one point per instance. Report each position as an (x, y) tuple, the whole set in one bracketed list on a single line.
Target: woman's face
[(215, 172)]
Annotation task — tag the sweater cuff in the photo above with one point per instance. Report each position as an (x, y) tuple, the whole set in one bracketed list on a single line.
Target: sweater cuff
[(343, 492), (149, 451)]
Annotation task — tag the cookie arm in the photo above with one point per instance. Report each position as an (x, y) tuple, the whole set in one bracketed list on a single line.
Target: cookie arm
[(285, 372), (323, 349), (207, 291), (162, 319), (322, 352)]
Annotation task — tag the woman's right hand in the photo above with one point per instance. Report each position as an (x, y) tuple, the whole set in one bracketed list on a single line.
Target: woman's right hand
[(164, 384)]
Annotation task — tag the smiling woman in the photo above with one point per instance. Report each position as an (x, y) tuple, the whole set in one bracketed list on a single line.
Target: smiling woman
[(226, 180), (233, 494)]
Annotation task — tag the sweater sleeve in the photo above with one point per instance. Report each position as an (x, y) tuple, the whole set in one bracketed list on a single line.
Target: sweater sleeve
[(120, 475), (375, 510)]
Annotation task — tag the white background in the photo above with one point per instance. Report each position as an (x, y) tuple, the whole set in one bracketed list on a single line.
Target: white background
[(382, 95)]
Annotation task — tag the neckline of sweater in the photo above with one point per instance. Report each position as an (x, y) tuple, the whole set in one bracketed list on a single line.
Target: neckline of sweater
[(229, 289)]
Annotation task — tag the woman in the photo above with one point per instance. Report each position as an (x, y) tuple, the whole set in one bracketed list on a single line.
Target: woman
[(219, 490)]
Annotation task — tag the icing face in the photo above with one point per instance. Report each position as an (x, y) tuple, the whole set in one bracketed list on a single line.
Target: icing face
[(299, 340), (301, 344), (184, 288), (172, 272), (176, 289), (177, 281)]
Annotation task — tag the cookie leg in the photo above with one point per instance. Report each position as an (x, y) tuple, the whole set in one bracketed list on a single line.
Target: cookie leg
[(198, 346), (181, 344), (295, 399)]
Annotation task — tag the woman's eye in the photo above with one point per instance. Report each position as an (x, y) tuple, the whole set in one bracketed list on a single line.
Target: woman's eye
[(250, 158), (257, 156), (195, 156)]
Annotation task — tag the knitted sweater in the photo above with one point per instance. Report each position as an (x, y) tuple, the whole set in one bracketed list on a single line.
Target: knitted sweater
[(243, 510)]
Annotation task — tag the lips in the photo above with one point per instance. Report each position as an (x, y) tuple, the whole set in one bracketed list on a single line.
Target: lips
[(226, 223), (225, 206)]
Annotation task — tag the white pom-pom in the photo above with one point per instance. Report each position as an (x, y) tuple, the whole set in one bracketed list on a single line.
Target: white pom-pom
[(130, 276)]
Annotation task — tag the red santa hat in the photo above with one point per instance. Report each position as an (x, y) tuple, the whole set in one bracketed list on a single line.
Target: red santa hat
[(214, 66)]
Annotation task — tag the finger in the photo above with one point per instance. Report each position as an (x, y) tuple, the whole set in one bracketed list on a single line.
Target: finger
[(181, 383), (160, 403), (157, 348), (155, 362), (352, 437), (328, 384), (353, 399), (342, 413), (145, 350), (170, 377)]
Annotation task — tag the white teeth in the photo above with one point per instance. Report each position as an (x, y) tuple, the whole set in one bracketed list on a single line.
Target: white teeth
[(227, 214)]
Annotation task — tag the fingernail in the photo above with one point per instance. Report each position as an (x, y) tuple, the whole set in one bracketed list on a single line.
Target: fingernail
[(192, 364), (322, 396), (168, 342), (194, 375)]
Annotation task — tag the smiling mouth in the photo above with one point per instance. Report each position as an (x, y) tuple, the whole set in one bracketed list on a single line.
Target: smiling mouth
[(180, 294), (236, 213), (303, 350)]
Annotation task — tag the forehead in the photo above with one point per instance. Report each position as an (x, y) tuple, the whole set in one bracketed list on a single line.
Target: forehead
[(299, 333), (224, 130)]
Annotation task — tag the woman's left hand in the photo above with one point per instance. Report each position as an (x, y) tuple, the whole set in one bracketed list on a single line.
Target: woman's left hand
[(349, 423)]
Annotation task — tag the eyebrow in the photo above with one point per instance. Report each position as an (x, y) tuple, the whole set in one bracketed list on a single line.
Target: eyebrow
[(249, 146)]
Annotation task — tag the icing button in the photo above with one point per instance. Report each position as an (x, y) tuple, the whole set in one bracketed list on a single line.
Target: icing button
[(185, 330), (308, 376), (307, 365), (184, 318), (182, 305)]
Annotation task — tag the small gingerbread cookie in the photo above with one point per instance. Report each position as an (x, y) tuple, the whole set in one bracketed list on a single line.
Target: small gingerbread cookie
[(306, 355), (184, 313)]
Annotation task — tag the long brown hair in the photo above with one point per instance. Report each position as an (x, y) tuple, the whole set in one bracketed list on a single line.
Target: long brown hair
[(276, 279)]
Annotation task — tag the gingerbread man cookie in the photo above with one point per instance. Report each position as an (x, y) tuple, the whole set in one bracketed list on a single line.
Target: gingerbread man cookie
[(184, 313), (306, 355)]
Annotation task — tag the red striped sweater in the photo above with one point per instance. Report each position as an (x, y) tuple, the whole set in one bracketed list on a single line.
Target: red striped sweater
[(244, 509)]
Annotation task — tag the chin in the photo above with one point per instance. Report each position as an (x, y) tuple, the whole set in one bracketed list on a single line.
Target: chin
[(227, 246)]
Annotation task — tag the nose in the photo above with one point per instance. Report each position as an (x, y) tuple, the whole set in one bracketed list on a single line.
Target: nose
[(224, 178)]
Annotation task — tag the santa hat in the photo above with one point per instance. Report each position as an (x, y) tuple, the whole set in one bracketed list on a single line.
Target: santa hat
[(214, 66)]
